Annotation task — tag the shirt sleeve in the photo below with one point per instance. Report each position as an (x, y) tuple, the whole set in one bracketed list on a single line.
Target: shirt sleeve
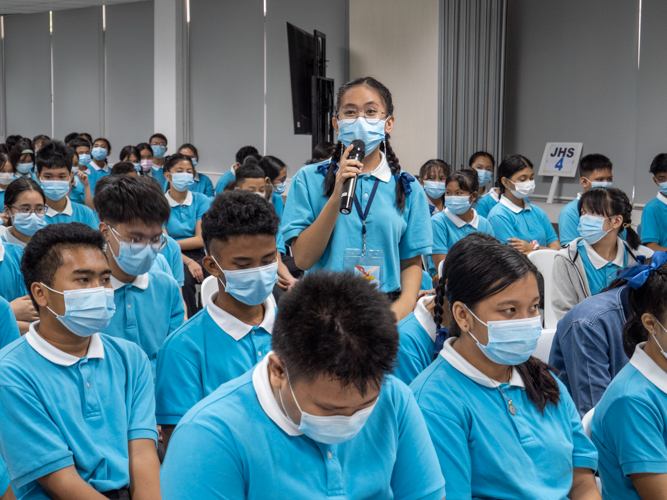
[(202, 465), (4, 477), (91, 218), (439, 226), (9, 328), (280, 243), (299, 214), (178, 386), (563, 294), (548, 228), (418, 236), (502, 226), (651, 227), (208, 187), (176, 263), (408, 366), (584, 453), (177, 310), (568, 224), (278, 204), (141, 422), (203, 204)]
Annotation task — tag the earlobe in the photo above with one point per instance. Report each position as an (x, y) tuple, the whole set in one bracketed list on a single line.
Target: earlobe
[(389, 125), (277, 373)]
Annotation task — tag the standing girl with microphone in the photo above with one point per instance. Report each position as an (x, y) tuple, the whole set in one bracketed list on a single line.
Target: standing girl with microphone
[(388, 230)]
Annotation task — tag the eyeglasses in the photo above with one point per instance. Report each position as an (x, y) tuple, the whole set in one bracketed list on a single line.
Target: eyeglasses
[(39, 210), (157, 243), (370, 115)]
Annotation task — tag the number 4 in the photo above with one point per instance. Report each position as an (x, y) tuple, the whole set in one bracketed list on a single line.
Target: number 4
[(559, 165)]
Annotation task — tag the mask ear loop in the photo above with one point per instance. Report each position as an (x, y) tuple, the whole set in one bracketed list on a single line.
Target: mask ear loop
[(654, 335), (482, 322), (55, 291), (224, 286)]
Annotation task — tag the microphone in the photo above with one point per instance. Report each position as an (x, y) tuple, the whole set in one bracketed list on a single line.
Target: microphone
[(350, 186)]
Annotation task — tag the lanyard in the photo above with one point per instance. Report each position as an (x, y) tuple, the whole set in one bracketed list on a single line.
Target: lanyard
[(363, 215)]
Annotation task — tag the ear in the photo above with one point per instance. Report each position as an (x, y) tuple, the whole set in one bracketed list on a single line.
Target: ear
[(656, 181), (389, 125), (616, 221), (334, 123), (650, 323), (210, 266), (584, 183), (506, 182), (104, 229), (277, 373), (38, 294), (421, 181), (473, 197), (462, 316)]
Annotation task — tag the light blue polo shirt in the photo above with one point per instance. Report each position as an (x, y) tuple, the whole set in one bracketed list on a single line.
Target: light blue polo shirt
[(600, 272), (530, 223), (203, 185), (95, 173), (58, 410), (448, 228), (158, 174), (417, 341), (654, 221), (184, 216), (12, 285), (212, 348), (486, 452), (172, 253), (630, 426), (484, 205), (568, 222), (278, 204), (2, 200), (238, 444), (400, 235), (148, 310), (225, 179), (77, 192), (9, 332), (73, 212)]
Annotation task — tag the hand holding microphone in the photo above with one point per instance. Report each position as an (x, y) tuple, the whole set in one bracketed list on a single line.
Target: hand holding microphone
[(352, 157)]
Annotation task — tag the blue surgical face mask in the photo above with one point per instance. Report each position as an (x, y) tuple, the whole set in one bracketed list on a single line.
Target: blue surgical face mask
[(137, 167), (194, 161), (511, 342), (333, 429), (591, 228), (280, 187), (457, 204), (100, 154), (28, 224), (159, 150), (371, 133), (84, 159), (484, 176), (25, 168), (435, 189), (600, 184), (182, 181), (55, 190), (250, 286), (663, 188), (134, 258), (87, 311)]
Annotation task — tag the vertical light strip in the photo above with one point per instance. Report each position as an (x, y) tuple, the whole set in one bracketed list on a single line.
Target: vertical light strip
[(639, 36), (187, 11), (53, 116), (264, 149), (103, 118), (3, 130), (186, 76)]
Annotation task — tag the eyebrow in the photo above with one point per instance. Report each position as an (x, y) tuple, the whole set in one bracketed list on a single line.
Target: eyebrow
[(513, 302), (329, 407)]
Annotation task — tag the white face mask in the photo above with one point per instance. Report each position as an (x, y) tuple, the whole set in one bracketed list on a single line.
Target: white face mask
[(523, 189), (6, 178)]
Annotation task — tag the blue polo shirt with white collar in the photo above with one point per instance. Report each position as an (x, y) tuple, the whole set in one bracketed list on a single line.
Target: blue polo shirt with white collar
[(184, 216), (417, 341), (12, 285), (448, 228), (73, 212), (529, 223)]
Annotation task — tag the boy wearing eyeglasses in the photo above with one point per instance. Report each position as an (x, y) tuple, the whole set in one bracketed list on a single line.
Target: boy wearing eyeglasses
[(148, 302)]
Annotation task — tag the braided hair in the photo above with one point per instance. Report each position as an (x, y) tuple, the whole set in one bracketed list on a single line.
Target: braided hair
[(392, 160), (611, 202)]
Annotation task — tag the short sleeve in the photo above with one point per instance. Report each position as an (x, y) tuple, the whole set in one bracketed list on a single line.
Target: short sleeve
[(652, 230), (177, 309), (201, 465), (502, 225), (298, 214), (408, 366), (178, 386), (162, 264), (568, 225), (440, 233), (280, 243), (141, 422), (548, 228), (278, 204), (203, 204), (208, 186), (9, 329), (418, 236), (584, 453), (173, 254), (4, 477)]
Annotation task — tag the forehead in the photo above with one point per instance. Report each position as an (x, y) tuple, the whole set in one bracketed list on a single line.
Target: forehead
[(361, 96), (77, 257), (157, 140), (327, 391), (29, 198)]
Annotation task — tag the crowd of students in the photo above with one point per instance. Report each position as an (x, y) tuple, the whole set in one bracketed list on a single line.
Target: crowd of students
[(324, 365)]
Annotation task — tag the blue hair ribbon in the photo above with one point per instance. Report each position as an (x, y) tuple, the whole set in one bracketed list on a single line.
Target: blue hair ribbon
[(406, 179), (441, 334), (637, 275), (323, 166)]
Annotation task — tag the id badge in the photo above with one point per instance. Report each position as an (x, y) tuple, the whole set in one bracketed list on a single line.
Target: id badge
[(366, 264)]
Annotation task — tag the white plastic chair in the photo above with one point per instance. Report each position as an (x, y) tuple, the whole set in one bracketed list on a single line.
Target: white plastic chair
[(587, 422), (544, 345), (544, 261), (208, 287)]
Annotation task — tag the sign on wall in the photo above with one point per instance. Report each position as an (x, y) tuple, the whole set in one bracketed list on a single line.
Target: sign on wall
[(560, 159)]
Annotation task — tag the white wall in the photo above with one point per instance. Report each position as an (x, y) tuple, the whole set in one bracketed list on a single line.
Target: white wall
[(397, 42)]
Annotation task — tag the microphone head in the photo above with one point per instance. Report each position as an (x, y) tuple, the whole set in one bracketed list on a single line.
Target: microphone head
[(358, 149)]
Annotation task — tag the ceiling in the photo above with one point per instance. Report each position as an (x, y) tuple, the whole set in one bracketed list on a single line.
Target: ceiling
[(31, 6)]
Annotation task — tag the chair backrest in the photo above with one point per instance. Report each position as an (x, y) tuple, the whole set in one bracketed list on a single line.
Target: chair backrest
[(208, 287), (544, 345), (587, 421), (544, 261)]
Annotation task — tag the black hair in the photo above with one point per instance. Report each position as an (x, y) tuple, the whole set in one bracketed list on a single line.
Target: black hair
[(122, 168), (158, 136), (471, 281), (143, 146), (323, 329), (87, 137), (74, 153), (238, 213), (251, 159), (648, 298), (79, 142), (121, 199), (187, 145), (69, 137), (249, 172), (41, 137), (322, 151), (472, 159), (610, 202), (590, 163), (4, 148), (431, 165), (128, 151), (467, 178), (4, 158), (174, 159), (42, 256), (54, 155), (272, 166), (659, 164), (17, 149), (18, 186), (242, 153), (12, 140), (508, 167)]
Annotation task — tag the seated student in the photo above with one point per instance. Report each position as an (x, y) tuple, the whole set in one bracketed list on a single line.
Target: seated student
[(587, 349), (39, 141), (595, 171), (432, 177), (158, 144), (131, 154), (275, 172), (590, 263), (99, 166), (9, 332), (654, 215), (172, 254), (233, 332), (514, 220), (503, 426), (24, 205), (148, 302), (228, 177), (184, 223), (7, 175), (203, 184), (629, 421), (459, 218), (54, 173), (146, 159), (77, 406), (484, 163), (124, 168), (83, 185), (318, 417), (23, 157)]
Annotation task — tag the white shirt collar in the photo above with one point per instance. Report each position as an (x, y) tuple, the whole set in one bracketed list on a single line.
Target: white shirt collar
[(578, 196), (55, 355), (233, 326), (514, 208), (424, 317), (273, 410), (459, 222), (382, 171), (2, 190), (649, 368), (463, 366), (174, 203), (431, 204), (598, 262), (140, 282), (94, 165), (67, 211), (156, 167), (493, 193), (662, 198), (196, 177), (2, 251), (4, 231)]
